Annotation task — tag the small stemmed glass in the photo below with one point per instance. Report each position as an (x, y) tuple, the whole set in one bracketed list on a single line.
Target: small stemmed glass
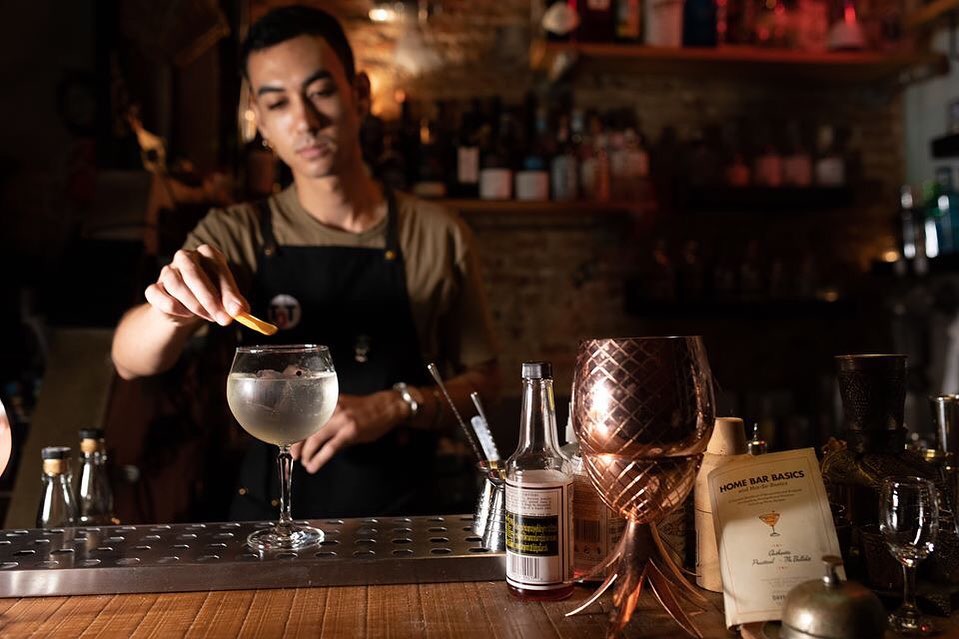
[(909, 522)]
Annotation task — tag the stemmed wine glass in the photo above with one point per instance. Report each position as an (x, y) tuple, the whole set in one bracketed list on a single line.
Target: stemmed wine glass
[(282, 395), (909, 522)]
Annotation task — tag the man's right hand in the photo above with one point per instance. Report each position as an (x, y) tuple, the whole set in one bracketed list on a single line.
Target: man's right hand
[(197, 284)]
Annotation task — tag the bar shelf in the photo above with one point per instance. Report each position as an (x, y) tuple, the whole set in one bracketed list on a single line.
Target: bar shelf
[(828, 68)]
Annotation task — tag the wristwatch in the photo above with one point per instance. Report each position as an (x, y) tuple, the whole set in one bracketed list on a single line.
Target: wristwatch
[(404, 392)]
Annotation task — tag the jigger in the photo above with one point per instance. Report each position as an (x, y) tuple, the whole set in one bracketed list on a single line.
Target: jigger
[(489, 520), (494, 538), (484, 504)]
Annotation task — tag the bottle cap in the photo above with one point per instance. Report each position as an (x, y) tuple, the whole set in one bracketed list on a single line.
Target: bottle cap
[(55, 452), (537, 370), (91, 433), (756, 445)]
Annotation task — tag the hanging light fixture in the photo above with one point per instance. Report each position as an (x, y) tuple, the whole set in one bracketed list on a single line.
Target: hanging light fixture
[(388, 11), (385, 12)]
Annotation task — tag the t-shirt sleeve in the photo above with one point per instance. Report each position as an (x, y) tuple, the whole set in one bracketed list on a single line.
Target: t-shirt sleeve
[(469, 326), (235, 233)]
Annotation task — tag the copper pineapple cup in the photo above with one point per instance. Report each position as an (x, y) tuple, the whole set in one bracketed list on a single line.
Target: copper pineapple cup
[(643, 411)]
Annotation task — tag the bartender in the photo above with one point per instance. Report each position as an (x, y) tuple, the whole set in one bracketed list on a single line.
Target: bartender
[(388, 282)]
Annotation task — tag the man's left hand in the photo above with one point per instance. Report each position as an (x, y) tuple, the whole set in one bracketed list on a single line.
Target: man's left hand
[(356, 420)]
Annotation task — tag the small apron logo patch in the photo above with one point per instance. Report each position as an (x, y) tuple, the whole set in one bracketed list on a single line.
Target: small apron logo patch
[(284, 311)]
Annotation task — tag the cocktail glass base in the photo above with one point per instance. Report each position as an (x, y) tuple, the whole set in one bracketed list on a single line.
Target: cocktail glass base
[(294, 538), (907, 620)]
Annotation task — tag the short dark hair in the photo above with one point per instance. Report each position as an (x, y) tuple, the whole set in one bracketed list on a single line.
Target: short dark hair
[(285, 23)]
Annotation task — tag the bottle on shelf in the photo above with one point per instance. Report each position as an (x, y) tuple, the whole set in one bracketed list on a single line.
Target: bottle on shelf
[(468, 153), (430, 178), (58, 507), (797, 161), (830, 166), (637, 165), (596, 528), (618, 170), (94, 494), (946, 211), (539, 491), (912, 240), (496, 173), (564, 167), (532, 178), (699, 23), (768, 169), (594, 165), (931, 226), (628, 18), (596, 21)]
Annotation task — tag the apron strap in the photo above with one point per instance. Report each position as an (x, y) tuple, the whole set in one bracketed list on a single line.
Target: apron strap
[(266, 227), (392, 226)]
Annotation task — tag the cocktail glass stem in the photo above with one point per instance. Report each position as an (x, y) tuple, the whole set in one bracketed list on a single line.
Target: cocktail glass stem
[(909, 587), (284, 527), (907, 619)]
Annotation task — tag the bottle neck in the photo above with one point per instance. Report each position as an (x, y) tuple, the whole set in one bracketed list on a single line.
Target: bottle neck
[(55, 467), (538, 420)]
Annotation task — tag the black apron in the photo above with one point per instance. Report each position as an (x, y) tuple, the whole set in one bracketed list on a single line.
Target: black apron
[(355, 301)]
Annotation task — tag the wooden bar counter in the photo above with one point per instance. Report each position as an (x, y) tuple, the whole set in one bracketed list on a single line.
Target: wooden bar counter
[(471, 609)]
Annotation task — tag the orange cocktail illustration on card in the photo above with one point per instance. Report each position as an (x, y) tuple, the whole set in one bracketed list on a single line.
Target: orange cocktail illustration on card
[(770, 519)]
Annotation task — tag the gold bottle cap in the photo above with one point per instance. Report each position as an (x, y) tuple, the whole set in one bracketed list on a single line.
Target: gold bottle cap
[(55, 466), (91, 440), (56, 459)]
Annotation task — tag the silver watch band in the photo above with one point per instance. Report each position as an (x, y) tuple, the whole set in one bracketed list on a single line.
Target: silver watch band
[(404, 392)]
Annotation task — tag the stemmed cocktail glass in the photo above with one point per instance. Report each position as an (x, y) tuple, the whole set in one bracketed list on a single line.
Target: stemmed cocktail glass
[(281, 395)]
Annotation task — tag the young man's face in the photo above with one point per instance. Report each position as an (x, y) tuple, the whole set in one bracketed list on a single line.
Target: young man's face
[(305, 107)]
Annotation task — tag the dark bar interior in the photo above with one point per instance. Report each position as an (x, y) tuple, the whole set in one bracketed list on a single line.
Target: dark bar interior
[(484, 186)]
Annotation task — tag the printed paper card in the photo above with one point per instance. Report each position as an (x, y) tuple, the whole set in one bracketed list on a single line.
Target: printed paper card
[(773, 525)]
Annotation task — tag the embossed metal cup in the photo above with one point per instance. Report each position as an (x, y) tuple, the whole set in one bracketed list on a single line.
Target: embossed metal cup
[(873, 391), (643, 412)]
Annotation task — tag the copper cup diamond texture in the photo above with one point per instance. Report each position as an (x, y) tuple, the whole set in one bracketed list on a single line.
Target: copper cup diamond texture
[(643, 411)]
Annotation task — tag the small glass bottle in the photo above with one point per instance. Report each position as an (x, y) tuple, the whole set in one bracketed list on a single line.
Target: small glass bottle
[(57, 504), (94, 495), (756, 445), (538, 498), (596, 528)]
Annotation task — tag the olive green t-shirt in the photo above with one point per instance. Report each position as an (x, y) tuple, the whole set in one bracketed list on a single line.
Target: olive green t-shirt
[(442, 269)]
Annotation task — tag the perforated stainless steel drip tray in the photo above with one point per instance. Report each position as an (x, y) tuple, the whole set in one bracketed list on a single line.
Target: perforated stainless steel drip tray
[(189, 557)]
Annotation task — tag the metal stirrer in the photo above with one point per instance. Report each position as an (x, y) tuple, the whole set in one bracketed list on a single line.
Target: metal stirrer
[(468, 431), (479, 405)]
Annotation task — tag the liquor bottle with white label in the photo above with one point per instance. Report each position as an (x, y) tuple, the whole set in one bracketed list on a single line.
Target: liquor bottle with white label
[(539, 491), (596, 528)]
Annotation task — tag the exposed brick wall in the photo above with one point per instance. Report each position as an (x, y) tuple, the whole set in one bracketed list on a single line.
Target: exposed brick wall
[(551, 282)]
